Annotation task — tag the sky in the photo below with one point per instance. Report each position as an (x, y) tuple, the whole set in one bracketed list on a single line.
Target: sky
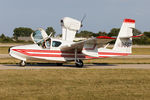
[(101, 15)]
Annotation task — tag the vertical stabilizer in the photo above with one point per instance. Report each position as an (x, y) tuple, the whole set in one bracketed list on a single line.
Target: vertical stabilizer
[(124, 40)]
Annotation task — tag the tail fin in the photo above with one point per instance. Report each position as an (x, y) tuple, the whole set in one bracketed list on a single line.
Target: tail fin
[(123, 43)]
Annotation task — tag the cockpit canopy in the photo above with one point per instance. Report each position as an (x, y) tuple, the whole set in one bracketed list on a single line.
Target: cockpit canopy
[(41, 38), (37, 36)]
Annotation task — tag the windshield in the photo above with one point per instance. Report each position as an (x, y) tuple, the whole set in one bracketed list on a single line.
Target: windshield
[(37, 36)]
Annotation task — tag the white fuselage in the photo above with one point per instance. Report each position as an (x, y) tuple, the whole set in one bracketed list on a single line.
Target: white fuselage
[(33, 52)]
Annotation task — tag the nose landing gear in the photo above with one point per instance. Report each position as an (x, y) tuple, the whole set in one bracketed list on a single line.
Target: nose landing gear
[(22, 63)]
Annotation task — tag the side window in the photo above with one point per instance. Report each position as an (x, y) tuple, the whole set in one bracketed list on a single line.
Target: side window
[(56, 44), (45, 43), (48, 43)]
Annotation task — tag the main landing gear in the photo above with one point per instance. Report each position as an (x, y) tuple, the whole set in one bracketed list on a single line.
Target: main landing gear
[(22, 63), (78, 62)]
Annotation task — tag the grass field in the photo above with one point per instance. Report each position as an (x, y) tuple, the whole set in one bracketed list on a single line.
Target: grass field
[(4, 50), (75, 84), (141, 51)]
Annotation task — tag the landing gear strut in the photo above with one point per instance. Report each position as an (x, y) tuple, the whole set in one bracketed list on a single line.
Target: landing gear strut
[(78, 62), (22, 63)]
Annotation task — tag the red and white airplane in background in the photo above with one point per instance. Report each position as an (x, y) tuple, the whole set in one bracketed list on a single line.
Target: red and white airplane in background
[(62, 50)]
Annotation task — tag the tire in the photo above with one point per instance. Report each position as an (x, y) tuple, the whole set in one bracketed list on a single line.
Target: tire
[(22, 63), (79, 63)]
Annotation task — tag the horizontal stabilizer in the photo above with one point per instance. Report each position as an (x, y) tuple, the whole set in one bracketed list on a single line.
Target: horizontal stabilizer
[(138, 35), (104, 37)]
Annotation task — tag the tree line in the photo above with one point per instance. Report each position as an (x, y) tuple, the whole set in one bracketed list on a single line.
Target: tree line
[(23, 32), (26, 32)]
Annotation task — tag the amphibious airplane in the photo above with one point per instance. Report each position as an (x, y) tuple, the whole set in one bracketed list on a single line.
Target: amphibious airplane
[(46, 48)]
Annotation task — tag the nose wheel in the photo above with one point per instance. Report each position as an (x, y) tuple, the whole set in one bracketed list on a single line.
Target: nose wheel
[(79, 63), (22, 63)]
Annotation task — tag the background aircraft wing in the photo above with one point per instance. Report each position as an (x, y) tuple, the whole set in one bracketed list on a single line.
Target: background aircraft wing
[(99, 41)]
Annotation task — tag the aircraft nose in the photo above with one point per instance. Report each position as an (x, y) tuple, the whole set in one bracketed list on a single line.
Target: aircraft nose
[(9, 50)]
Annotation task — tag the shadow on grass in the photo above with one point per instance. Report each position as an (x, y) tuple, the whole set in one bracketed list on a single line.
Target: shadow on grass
[(64, 65), (103, 64), (41, 65)]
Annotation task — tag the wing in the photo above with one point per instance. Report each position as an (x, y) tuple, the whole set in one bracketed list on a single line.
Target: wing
[(99, 41)]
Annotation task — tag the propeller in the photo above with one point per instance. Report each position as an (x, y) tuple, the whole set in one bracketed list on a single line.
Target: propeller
[(83, 20)]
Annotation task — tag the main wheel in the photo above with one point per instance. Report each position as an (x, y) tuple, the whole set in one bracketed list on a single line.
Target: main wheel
[(79, 63), (22, 63)]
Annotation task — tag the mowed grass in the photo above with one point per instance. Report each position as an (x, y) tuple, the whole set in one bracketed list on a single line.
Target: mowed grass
[(4, 50), (75, 84), (141, 51), (9, 61)]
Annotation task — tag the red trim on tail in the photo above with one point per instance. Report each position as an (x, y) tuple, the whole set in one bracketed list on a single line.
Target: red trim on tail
[(129, 21)]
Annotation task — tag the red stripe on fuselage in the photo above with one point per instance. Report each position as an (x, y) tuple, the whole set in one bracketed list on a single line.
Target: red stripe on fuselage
[(27, 52), (80, 55), (42, 51)]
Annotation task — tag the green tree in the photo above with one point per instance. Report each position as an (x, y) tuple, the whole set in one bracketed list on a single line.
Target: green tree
[(102, 33), (85, 33), (5, 39), (22, 31), (2, 36), (136, 32), (114, 32), (141, 40), (50, 30), (147, 34)]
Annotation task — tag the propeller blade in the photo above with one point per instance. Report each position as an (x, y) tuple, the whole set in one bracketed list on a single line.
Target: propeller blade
[(83, 20)]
